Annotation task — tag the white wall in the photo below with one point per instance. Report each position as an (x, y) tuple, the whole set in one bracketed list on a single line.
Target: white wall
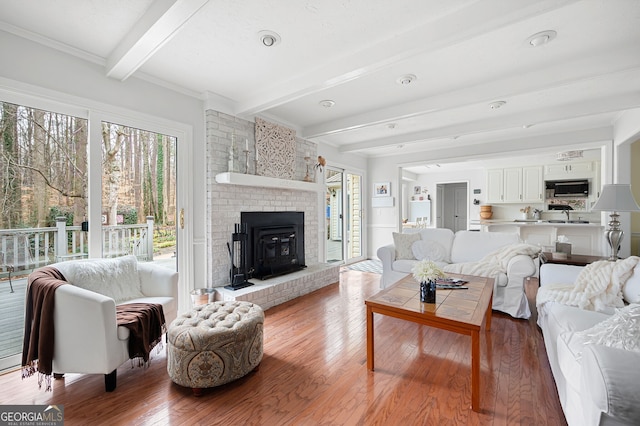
[(382, 221)]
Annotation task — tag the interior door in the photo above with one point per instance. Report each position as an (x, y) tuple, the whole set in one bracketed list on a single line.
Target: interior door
[(460, 207), (452, 206)]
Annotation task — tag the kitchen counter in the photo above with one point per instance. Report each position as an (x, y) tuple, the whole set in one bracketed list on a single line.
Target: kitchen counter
[(585, 238), (532, 222)]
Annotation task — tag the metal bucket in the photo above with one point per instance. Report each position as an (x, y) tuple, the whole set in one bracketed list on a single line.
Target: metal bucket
[(202, 296)]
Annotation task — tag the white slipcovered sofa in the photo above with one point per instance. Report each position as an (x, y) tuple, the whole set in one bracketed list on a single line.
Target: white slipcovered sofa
[(87, 338), (598, 382), (462, 248)]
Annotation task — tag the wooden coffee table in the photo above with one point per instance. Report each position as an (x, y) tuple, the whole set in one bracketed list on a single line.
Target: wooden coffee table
[(460, 311)]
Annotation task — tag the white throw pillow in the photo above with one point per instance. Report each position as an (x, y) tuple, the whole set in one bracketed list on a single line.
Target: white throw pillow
[(621, 330), (403, 243), (429, 250), (631, 288), (115, 278)]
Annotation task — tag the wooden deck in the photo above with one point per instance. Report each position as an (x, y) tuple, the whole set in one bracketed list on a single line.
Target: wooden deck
[(11, 317)]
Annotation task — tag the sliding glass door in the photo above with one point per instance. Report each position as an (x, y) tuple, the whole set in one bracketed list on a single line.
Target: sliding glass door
[(43, 205), (139, 215)]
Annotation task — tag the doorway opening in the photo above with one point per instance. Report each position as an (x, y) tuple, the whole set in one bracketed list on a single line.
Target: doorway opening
[(452, 206), (343, 216)]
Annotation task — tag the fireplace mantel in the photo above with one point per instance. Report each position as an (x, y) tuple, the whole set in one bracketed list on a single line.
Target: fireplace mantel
[(265, 182)]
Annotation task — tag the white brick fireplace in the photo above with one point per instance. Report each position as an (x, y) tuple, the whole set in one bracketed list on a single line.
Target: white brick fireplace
[(236, 192)]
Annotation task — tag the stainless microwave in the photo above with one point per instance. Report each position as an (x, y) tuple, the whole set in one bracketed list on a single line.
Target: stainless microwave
[(568, 188)]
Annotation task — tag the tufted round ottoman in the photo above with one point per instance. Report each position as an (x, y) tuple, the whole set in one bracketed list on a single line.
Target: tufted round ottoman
[(214, 344)]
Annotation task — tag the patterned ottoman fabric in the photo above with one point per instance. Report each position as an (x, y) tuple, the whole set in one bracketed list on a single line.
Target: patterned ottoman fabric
[(215, 344)]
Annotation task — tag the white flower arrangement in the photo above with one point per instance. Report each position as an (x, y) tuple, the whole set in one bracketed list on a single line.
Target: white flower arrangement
[(427, 270)]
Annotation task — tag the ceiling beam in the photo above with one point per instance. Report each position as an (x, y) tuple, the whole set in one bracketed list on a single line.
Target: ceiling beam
[(158, 25), (547, 143), (505, 89), (564, 112), (478, 18)]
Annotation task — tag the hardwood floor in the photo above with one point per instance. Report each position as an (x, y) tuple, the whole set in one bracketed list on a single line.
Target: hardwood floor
[(314, 372)]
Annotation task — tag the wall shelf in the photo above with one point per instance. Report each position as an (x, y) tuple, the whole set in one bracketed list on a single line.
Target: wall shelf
[(265, 182)]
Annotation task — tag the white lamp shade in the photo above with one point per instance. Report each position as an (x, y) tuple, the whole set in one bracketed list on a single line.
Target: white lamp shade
[(616, 198)]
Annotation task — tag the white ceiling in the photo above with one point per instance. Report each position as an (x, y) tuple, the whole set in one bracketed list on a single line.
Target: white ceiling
[(464, 53)]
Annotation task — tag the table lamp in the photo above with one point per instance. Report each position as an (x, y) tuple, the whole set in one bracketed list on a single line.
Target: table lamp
[(615, 198)]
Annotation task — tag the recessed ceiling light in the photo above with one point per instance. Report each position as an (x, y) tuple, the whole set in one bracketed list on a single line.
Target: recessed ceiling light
[(496, 104), (406, 79), (327, 103), (541, 38), (268, 38)]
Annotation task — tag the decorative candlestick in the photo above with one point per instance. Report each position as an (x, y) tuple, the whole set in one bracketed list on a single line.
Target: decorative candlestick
[(232, 153), (246, 161), (307, 177)]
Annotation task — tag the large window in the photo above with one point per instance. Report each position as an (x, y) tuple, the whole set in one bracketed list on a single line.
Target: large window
[(46, 199)]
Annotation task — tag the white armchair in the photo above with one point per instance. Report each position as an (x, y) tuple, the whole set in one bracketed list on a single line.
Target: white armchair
[(87, 337)]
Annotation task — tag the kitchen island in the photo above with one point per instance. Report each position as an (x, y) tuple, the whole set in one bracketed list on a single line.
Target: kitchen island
[(585, 238)]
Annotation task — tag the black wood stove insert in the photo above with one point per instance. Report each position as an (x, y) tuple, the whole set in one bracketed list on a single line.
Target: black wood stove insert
[(275, 242)]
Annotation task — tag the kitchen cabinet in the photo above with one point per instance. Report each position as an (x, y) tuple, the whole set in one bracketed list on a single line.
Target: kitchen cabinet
[(495, 186), (515, 185), (512, 181), (568, 170), (532, 184)]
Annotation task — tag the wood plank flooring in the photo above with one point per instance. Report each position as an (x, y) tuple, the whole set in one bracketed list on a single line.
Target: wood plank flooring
[(314, 372)]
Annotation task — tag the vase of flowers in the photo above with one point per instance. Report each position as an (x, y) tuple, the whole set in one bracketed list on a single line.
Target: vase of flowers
[(426, 273)]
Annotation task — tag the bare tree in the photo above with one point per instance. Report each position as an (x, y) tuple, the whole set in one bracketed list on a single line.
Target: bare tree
[(111, 167)]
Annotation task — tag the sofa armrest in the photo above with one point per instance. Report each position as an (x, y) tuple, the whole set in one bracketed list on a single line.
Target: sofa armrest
[(555, 273), (387, 255), (157, 280), (521, 267), (610, 384), (86, 339)]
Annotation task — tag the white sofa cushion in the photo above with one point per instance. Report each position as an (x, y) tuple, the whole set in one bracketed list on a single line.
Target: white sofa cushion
[(570, 347), (442, 236), (472, 246), (429, 250), (115, 278), (563, 322), (406, 265), (403, 243)]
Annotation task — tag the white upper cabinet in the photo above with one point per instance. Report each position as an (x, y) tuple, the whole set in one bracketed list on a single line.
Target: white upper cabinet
[(512, 185), (567, 170), (495, 186), (515, 185), (532, 185)]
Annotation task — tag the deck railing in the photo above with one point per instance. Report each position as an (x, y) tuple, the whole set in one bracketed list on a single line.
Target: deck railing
[(30, 248)]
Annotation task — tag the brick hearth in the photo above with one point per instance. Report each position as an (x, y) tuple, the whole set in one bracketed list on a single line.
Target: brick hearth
[(277, 290)]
